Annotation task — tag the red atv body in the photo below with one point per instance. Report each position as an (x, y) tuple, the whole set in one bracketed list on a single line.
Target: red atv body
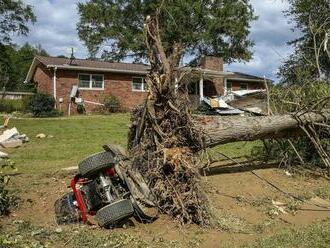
[(105, 188)]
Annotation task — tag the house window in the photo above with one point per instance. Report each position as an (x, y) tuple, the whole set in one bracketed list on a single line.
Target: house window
[(229, 87), (138, 84), (91, 81), (243, 86)]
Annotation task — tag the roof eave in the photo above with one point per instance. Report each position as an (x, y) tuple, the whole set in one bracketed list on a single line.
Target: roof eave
[(83, 68), (249, 80), (32, 68)]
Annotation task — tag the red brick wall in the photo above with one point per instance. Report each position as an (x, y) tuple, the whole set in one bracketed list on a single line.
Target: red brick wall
[(43, 78), (118, 85), (212, 63)]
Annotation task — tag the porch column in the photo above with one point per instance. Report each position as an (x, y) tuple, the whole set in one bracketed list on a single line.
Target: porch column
[(201, 88), (225, 88)]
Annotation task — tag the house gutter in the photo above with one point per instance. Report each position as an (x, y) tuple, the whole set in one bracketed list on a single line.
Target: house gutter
[(54, 82)]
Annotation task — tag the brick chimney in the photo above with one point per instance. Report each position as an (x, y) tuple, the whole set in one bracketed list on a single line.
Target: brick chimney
[(211, 63)]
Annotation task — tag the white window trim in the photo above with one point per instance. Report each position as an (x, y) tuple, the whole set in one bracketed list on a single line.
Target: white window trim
[(90, 81), (143, 85)]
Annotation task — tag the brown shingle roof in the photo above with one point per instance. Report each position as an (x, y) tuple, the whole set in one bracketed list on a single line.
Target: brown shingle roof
[(240, 75), (65, 62)]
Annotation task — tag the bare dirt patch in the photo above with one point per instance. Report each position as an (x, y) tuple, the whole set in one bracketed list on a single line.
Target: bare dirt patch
[(242, 205)]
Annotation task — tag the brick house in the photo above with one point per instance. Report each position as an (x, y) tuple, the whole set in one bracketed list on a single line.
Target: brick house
[(98, 79)]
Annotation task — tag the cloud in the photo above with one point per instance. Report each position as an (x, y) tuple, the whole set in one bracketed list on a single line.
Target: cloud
[(56, 31), (270, 32), (55, 28)]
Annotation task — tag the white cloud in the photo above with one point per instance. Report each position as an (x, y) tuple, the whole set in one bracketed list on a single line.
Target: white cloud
[(56, 31), (55, 28)]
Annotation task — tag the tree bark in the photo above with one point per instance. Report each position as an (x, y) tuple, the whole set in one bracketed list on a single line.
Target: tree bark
[(222, 130)]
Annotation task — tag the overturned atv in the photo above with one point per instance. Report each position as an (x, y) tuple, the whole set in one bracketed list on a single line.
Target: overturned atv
[(107, 188)]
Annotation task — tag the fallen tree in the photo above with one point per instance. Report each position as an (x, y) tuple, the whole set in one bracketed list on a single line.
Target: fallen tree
[(222, 130)]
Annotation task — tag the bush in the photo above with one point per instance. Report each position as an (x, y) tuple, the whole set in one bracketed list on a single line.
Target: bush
[(42, 105), (111, 104), (9, 106), (7, 199)]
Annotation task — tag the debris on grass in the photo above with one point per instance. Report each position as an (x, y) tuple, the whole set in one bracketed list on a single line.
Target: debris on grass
[(41, 136), (11, 138), (280, 206)]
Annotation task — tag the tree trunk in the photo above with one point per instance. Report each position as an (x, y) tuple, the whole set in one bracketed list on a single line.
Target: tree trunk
[(222, 130)]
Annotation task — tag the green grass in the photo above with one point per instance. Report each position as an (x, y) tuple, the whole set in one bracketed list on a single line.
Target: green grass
[(314, 236), (74, 138), (238, 149)]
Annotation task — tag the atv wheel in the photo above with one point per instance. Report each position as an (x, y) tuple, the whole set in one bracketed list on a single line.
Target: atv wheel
[(95, 163), (114, 212)]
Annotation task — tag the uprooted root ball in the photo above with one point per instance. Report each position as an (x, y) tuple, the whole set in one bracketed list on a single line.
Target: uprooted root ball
[(163, 153)]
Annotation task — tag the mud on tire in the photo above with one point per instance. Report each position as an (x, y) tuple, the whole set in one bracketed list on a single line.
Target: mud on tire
[(114, 212), (95, 163)]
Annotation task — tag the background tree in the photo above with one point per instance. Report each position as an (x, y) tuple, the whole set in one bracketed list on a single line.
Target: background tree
[(22, 61), (310, 60), (15, 62), (14, 15), (218, 28)]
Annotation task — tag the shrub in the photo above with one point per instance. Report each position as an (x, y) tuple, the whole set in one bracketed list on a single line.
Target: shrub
[(9, 106), (42, 105), (111, 104), (7, 199)]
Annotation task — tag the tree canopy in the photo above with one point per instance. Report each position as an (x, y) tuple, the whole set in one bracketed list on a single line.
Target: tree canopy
[(14, 15), (204, 27), (311, 57), (14, 64)]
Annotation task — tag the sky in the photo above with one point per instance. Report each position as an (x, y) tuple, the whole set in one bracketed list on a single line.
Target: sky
[(55, 31)]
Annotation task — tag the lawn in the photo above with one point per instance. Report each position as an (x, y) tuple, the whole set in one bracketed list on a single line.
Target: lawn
[(73, 139)]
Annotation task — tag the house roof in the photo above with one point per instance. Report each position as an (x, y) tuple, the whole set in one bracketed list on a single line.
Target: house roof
[(95, 64), (86, 65), (245, 77), (128, 68)]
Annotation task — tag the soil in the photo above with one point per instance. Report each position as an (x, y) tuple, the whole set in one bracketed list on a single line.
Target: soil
[(245, 206)]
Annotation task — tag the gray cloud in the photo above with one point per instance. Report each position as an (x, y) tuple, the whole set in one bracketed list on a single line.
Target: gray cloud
[(270, 32), (56, 31)]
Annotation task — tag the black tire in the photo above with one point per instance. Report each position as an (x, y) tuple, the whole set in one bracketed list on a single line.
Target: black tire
[(95, 163), (114, 212)]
